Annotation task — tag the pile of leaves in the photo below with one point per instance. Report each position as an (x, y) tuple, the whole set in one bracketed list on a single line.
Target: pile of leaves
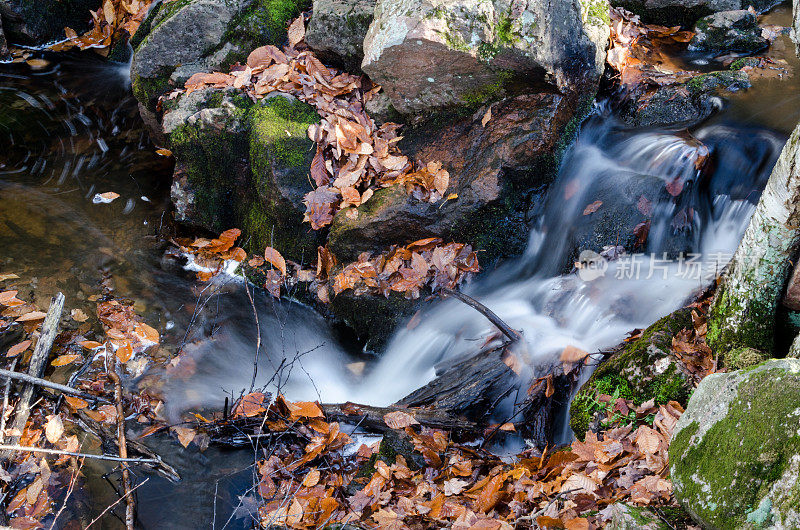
[(210, 255), (114, 22), (354, 155), (308, 480), (640, 52)]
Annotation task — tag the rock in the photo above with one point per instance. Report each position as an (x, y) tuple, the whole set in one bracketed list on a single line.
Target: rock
[(430, 56), (626, 517), (181, 38), (686, 12), (373, 318), (744, 357), (684, 104), (735, 452), (3, 43), (40, 21), (728, 31), (494, 169), (641, 370), (792, 297), (245, 165), (337, 30)]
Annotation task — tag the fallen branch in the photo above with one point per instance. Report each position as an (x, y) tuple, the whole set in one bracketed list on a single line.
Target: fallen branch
[(110, 458), (36, 368), (507, 330), (123, 446), (371, 418), (9, 374), (6, 392)]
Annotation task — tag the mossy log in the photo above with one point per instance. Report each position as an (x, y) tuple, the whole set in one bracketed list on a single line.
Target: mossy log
[(743, 310)]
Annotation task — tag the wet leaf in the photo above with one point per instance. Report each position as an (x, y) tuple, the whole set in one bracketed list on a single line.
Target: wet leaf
[(399, 420), (32, 316), (64, 360), (54, 428), (16, 349), (75, 402), (593, 207)]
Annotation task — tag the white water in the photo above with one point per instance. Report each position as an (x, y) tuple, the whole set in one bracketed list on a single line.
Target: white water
[(553, 310)]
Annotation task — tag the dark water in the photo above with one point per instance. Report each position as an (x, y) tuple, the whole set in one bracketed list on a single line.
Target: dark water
[(71, 130)]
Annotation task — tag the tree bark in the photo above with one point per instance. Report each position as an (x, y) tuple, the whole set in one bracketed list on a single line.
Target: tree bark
[(743, 310)]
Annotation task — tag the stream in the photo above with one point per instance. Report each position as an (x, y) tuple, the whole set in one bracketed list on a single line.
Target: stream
[(70, 130)]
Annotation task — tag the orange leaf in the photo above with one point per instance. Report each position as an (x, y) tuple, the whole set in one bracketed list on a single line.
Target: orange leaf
[(76, 403), (592, 207), (124, 351), (33, 315), (399, 420), (16, 349), (90, 344), (304, 409), (65, 359), (491, 494), (275, 259)]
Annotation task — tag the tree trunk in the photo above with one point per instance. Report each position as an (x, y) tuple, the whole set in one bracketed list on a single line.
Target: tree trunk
[(743, 310)]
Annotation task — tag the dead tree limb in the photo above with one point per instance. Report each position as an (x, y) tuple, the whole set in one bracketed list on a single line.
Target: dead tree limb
[(371, 418), (36, 368), (45, 450), (512, 334), (26, 378), (123, 446)]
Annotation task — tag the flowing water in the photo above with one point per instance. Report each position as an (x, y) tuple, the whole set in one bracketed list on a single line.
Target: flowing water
[(70, 130)]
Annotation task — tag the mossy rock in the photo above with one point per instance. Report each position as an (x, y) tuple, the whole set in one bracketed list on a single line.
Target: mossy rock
[(743, 357), (181, 38), (627, 517), (337, 30), (735, 452), (642, 370), (728, 31), (40, 21), (243, 164), (682, 104)]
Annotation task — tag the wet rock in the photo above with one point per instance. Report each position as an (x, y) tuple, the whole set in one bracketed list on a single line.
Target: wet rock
[(243, 164), (687, 12), (494, 169), (181, 38), (641, 370), (430, 56), (684, 104), (728, 31), (735, 452), (337, 30), (40, 21)]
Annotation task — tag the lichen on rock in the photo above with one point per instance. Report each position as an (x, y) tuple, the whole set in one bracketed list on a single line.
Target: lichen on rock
[(735, 452)]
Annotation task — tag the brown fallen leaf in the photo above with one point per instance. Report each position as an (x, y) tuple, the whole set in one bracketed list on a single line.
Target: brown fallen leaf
[(16, 349), (593, 207), (399, 420)]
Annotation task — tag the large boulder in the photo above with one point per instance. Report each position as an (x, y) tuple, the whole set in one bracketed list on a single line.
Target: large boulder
[(337, 31), (641, 370), (243, 164), (495, 170), (728, 31), (40, 21), (432, 55), (735, 452), (686, 12), (181, 38)]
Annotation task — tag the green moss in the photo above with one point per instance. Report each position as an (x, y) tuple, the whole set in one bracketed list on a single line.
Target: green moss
[(505, 32), (743, 357), (147, 90), (755, 331), (742, 62), (723, 79), (598, 10), (280, 128), (265, 22), (489, 92), (727, 474), (630, 374)]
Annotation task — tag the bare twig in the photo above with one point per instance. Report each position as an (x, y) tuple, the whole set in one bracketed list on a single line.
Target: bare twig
[(115, 503), (66, 497), (258, 336), (110, 458), (123, 446), (6, 392), (10, 374), (507, 330), (38, 363)]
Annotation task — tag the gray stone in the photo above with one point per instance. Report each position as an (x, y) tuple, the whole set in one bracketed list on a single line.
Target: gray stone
[(626, 517), (337, 31), (728, 31), (181, 38), (431, 55), (684, 104), (735, 452), (40, 21)]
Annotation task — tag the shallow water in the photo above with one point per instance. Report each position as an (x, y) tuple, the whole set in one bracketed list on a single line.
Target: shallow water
[(71, 130)]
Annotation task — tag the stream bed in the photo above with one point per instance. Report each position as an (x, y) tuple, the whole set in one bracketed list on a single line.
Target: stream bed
[(70, 130)]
